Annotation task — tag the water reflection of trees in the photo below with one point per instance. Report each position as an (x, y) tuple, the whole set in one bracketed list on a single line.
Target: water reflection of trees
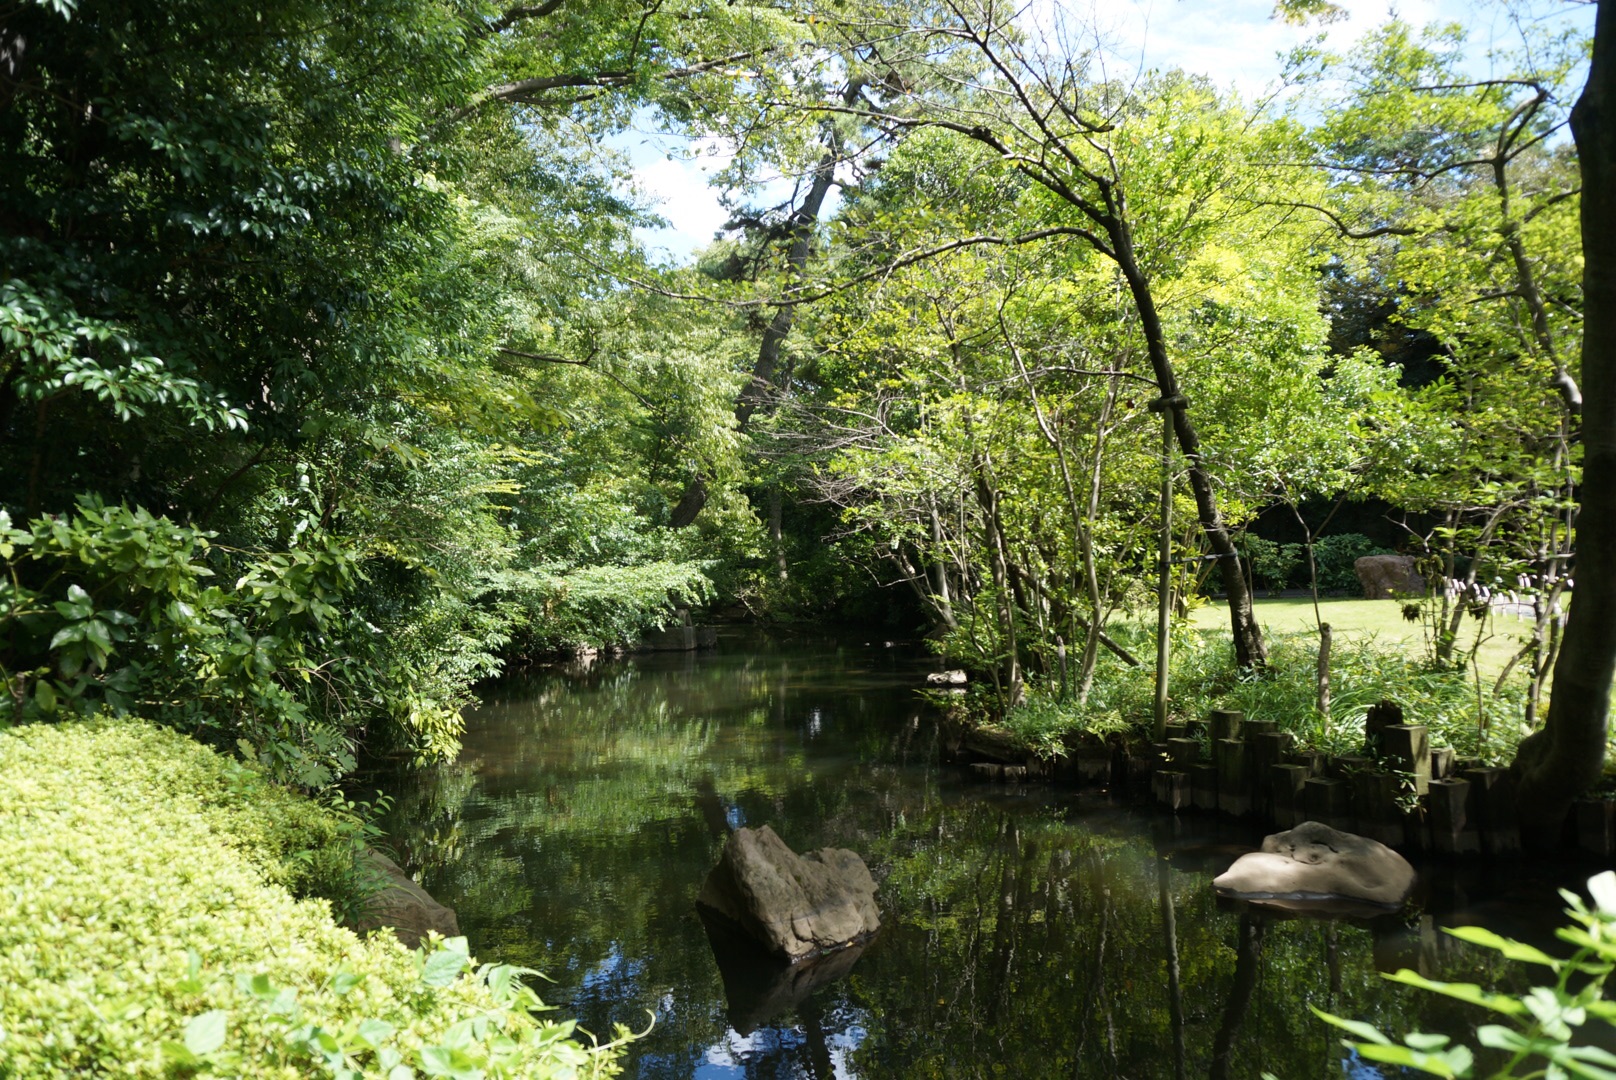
[(575, 833), (1047, 950)]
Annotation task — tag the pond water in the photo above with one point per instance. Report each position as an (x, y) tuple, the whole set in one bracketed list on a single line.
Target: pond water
[(1027, 931)]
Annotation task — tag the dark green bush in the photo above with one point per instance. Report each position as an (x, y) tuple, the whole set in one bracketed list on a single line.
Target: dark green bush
[(113, 608), (1335, 556)]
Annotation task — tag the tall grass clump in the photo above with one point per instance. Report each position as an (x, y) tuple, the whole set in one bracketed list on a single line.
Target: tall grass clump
[(1459, 711)]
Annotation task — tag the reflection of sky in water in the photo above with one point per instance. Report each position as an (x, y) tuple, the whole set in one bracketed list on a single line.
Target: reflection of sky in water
[(783, 1049), (614, 974)]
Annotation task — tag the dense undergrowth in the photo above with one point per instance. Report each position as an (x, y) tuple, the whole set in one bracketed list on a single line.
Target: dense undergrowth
[(154, 930), (1474, 719)]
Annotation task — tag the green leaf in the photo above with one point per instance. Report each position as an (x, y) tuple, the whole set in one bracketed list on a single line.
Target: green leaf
[(443, 967), (1468, 992), (450, 1062), (1508, 947), (1352, 1027), (1420, 1040), (178, 1054), (375, 1032), (204, 1034), (1434, 1064)]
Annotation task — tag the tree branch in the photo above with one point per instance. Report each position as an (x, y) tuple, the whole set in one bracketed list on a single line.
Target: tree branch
[(1341, 226), (521, 14)]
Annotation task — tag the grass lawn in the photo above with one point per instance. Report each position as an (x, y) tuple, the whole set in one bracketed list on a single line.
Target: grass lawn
[(1381, 620)]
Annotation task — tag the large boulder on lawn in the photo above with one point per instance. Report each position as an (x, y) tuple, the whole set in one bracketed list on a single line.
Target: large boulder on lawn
[(1316, 862), (795, 905), (1386, 576), (404, 906)]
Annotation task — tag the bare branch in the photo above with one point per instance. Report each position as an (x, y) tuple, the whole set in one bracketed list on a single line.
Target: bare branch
[(1342, 227), (546, 358)]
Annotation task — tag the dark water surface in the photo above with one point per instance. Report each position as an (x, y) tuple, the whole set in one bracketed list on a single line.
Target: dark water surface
[(1028, 932)]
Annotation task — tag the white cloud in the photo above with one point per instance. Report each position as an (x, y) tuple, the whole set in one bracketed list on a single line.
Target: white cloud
[(683, 196)]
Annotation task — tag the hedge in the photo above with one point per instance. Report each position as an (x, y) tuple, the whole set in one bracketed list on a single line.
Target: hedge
[(147, 930)]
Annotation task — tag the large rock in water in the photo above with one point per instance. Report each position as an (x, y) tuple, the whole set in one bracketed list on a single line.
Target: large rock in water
[(795, 905), (1382, 576), (1315, 862), (403, 905)]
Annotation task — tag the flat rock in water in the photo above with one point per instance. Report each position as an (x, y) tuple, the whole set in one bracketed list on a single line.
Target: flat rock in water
[(794, 905), (404, 906), (1316, 862)]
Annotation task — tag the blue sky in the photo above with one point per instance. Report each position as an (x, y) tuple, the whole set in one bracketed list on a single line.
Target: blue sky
[(1235, 42)]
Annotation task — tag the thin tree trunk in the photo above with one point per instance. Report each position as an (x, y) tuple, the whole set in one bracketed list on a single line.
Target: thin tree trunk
[(988, 497), (1324, 670), (1175, 994), (944, 602), (1249, 649), (1091, 575), (1164, 583), (1247, 957), (1557, 764), (776, 534)]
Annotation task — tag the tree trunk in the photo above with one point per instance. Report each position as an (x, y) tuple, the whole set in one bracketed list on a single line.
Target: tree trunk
[(759, 388), (1565, 759), (1249, 650), (998, 560), (1085, 535)]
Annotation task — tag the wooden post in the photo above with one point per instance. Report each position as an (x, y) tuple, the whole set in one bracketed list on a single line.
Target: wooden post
[(1324, 670), (1330, 801), (1204, 786), (1409, 746), (1183, 753), (1493, 791), (1234, 793), (1287, 783), (1225, 723), (1267, 751), (1453, 832)]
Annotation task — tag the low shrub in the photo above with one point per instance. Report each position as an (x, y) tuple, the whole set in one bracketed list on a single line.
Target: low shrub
[(303, 652), (1045, 721), (150, 932)]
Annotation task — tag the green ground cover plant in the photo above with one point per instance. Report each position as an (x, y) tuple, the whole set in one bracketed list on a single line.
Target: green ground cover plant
[(152, 931)]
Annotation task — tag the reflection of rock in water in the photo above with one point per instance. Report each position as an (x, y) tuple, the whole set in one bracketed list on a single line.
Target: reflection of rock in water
[(760, 987)]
